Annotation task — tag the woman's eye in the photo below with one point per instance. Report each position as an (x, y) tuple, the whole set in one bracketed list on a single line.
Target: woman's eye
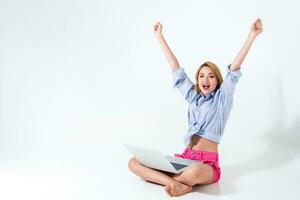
[(211, 77), (201, 76)]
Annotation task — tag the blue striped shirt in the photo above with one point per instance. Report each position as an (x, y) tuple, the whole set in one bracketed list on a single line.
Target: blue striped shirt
[(207, 116)]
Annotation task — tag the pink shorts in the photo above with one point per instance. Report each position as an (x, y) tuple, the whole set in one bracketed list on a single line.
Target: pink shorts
[(210, 158)]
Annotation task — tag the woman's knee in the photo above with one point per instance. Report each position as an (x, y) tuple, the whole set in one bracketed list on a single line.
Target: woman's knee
[(204, 174), (197, 174), (133, 164), (193, 171)]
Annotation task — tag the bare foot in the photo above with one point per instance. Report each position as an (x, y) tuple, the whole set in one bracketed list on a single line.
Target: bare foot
[(177, 189), (168, 189)]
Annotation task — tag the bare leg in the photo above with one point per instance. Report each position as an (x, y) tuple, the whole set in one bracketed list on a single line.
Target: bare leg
[(172, 187), (197, 173), (194, 174)]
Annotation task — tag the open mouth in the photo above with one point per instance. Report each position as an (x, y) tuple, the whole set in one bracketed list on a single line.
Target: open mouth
[(206, 87)]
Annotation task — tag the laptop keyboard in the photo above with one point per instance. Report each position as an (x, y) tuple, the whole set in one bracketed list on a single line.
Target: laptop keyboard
[(178, 166)]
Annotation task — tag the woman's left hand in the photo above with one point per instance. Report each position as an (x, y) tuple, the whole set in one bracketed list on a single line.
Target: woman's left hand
[(256, 28)]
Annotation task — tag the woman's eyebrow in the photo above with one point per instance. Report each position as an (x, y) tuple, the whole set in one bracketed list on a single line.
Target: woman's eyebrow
[(208, 73)]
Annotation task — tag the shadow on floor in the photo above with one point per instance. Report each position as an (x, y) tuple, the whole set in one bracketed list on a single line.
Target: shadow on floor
[(283, 145)]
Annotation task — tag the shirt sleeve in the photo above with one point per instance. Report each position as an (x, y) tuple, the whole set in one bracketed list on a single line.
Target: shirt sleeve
[(185, 86), (229, 84)]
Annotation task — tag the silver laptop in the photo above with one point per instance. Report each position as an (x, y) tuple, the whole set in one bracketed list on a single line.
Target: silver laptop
[(157, 160)]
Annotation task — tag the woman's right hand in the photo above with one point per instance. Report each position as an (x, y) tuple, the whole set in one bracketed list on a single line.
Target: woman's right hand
[(157, 29)]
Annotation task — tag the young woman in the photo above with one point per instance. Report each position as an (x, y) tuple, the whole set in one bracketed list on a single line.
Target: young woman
[(210, 101)]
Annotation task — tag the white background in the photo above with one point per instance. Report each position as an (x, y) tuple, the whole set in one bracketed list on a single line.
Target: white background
[(78, 79)]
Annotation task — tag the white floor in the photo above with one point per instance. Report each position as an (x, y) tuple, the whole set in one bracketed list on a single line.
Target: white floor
[(78, 79), (82, 172)]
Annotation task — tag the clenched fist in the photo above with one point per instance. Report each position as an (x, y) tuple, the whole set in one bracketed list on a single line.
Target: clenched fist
[(157, 29), (256, 27)]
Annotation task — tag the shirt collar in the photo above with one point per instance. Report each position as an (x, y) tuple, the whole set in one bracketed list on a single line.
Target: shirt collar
[(209, 96)]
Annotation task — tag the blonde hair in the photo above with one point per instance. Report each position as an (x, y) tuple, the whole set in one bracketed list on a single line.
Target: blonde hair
[(216, 72)]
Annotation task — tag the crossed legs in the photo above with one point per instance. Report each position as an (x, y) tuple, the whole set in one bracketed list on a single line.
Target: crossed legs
[(174, 184)]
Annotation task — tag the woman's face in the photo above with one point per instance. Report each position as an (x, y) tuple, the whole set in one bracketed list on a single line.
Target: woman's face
[(207, 80)]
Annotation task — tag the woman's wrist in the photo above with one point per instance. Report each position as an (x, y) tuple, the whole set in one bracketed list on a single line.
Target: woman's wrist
[(159, 36), (251, 36)]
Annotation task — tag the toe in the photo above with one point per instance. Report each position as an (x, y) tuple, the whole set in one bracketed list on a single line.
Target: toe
[(168, 189)]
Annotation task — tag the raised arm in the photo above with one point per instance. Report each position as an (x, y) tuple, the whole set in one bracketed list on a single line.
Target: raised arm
[(256, 28), (157, 29)]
